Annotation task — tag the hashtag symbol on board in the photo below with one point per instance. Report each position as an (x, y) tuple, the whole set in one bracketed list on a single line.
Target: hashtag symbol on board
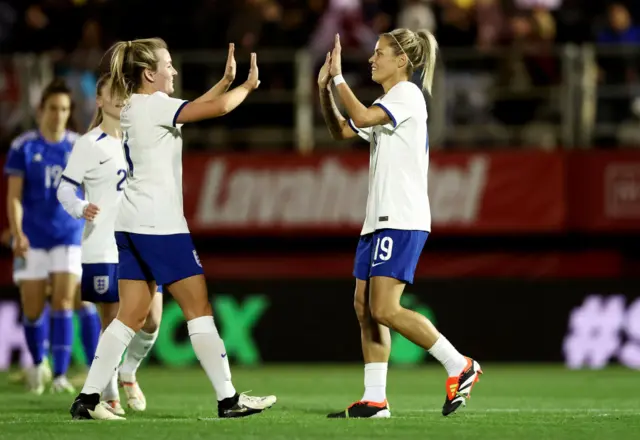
[(595, 329)]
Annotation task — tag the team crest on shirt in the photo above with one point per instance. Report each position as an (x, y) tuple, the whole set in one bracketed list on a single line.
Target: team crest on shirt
[(101, 284), (195, 257)]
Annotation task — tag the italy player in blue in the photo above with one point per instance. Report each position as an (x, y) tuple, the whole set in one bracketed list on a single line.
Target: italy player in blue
[(46, 240)]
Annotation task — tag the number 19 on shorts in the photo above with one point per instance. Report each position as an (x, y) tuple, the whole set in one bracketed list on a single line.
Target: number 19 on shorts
[(384, 249)]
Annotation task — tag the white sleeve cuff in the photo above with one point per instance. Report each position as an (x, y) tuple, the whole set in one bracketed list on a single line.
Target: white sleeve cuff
[(69, 200)]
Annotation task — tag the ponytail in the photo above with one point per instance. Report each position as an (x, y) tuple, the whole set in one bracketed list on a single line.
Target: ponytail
[(420, 48), (428, 61), (120, 88)]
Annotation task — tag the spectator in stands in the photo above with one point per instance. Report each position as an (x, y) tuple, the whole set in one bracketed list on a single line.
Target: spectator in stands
[(491, 23), (620, 29), (80, 69), (417, 14), (528, 65), (344, 17), (538, 4), (255, 21), (617, 67)]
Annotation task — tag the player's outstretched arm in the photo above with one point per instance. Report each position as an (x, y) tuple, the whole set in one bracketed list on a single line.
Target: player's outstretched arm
[(223, 85), (198, 111), (361, 115), (336, 123)]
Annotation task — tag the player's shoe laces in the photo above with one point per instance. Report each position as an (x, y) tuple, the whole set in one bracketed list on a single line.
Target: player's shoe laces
[(459, 387), (364, 410), (89, 407), (135, 397), (62, 385), (114, 407), (243, 405)]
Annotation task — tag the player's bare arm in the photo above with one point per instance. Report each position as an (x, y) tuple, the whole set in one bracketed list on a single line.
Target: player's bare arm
[(361, 115), (336, 123)]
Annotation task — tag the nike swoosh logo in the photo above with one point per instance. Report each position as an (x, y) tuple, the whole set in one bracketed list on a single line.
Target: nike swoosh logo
[(223, 355), (104, 161), (376, 264)]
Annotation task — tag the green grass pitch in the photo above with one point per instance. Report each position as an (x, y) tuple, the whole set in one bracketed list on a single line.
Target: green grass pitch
[(510, 402)]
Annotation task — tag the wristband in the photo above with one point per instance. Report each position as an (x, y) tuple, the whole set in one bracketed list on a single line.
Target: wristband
[(338, 79)]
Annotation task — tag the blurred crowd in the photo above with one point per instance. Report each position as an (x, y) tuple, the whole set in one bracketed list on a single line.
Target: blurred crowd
[(84, 26), (515, 40)]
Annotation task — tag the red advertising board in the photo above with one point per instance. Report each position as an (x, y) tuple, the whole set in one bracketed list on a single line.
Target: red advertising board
[(473, 193), (604, 191), (510, 192)]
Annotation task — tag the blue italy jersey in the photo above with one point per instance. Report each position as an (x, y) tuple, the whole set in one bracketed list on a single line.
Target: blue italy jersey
[(41, 163)]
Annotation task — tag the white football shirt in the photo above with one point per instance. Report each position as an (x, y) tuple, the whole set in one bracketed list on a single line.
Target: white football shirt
[(97, 163), (152, 202), (398, 163)]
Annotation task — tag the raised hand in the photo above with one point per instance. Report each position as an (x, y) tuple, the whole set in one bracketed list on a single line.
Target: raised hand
[(230, 68), (336, 58), (323, 76), (252, 81)]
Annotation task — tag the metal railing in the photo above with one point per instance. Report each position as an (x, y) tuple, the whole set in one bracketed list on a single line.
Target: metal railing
[(570, 96)]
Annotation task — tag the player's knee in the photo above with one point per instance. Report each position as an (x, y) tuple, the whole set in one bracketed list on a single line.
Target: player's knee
[(197, 310), (383, 313), (62, 303), (133, 319), (32, 313), (152, 323)]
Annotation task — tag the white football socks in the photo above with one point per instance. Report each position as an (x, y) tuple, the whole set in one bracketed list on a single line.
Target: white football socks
[(111, 347), (448, 356), (140, 346), (209, 349), (375, 382)]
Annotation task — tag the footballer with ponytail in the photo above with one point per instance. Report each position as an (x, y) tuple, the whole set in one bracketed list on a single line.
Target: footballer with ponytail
[(398, 217)]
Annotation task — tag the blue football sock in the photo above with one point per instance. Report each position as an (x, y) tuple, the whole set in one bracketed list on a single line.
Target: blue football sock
[(34, 334), (46, 328), (90, 330), (61, 340)]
